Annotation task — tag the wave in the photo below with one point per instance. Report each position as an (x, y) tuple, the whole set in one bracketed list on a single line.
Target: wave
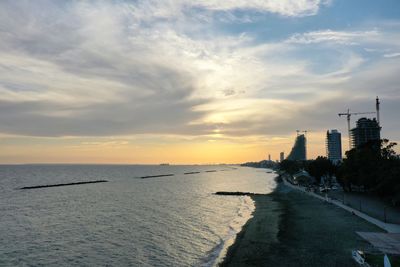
[(243, 214)]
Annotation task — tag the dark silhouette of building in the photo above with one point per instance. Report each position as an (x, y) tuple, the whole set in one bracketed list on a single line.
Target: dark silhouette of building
[(334, 146), (299, 149), (282, 156), (366, 130)]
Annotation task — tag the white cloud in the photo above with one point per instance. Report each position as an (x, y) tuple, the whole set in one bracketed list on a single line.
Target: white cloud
[(146, 9), (329, 36), (391, 55), (283, 7)]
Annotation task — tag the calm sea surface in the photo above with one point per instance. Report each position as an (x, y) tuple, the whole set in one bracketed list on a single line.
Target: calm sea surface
[(166, 221)]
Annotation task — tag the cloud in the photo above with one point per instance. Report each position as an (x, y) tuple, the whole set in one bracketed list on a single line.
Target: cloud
[(91, 77), (114, 143), (283, 7), (150, 9), (329, 36), (105, 69), (391, 55), (104, 75)]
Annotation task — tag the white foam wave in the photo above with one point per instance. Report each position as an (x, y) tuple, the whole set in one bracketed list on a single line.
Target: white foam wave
[(244, 213)]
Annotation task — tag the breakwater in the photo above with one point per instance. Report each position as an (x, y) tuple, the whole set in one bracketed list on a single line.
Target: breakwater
[(156, 176), (224, 193), (64, 184)]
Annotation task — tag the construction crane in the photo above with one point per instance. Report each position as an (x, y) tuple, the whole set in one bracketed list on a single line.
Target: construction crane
[(348, 115)]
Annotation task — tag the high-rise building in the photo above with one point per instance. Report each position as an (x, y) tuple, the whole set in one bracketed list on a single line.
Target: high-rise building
[(366, 130), (299, 149), (269, 157), (282, 156), (334, 146)]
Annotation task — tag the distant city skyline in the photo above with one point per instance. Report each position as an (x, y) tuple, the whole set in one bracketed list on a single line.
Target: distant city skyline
[(188, 82)]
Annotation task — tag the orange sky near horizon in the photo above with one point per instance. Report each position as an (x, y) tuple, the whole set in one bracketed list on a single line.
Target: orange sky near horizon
[(175, 150)]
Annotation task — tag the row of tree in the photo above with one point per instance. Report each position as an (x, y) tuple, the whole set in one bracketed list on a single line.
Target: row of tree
[(373, 167), (261, 164)]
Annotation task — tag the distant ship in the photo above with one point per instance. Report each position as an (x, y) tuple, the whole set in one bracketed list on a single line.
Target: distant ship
[(164, 164)]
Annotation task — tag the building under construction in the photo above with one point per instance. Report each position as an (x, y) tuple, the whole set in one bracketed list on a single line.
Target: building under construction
[(299, 151), (365, 131)]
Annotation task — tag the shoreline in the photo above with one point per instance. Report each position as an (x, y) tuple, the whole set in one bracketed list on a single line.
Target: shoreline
[(230, 239), (289, 228)]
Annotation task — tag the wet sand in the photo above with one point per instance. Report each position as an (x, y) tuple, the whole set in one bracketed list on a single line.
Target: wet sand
[(289, 228)]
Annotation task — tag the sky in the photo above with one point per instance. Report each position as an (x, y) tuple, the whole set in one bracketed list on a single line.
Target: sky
[(184, 82)]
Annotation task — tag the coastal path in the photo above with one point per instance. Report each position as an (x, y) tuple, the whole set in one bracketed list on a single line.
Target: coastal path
[(368, 204), (389, 227)]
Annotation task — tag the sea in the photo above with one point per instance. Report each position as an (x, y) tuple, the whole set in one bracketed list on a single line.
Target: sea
[(172, 220)]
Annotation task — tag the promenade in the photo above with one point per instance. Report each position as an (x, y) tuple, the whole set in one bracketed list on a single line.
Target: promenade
[(368, 204), (289, 228), (388, 227)]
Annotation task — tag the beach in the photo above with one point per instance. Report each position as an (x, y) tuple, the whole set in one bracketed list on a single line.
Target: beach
[(289, 228)]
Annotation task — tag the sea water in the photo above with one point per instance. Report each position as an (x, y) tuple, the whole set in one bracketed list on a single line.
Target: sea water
[(128, 221)]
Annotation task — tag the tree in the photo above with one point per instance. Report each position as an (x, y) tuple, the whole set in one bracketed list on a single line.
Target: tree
[(375, 167), (319, 167), (360, 167), (387, 151), (290, 166)]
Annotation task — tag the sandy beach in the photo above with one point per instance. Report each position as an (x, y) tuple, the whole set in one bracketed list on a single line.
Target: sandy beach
[(289, 228)]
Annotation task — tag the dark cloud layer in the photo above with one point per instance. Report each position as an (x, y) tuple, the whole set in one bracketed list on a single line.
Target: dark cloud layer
[(152, 96)]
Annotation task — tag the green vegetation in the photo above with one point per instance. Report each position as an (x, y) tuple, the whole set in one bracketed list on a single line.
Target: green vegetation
[(375, 168), (262, 164), (291, 166), (317, 168), (321, 166)]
